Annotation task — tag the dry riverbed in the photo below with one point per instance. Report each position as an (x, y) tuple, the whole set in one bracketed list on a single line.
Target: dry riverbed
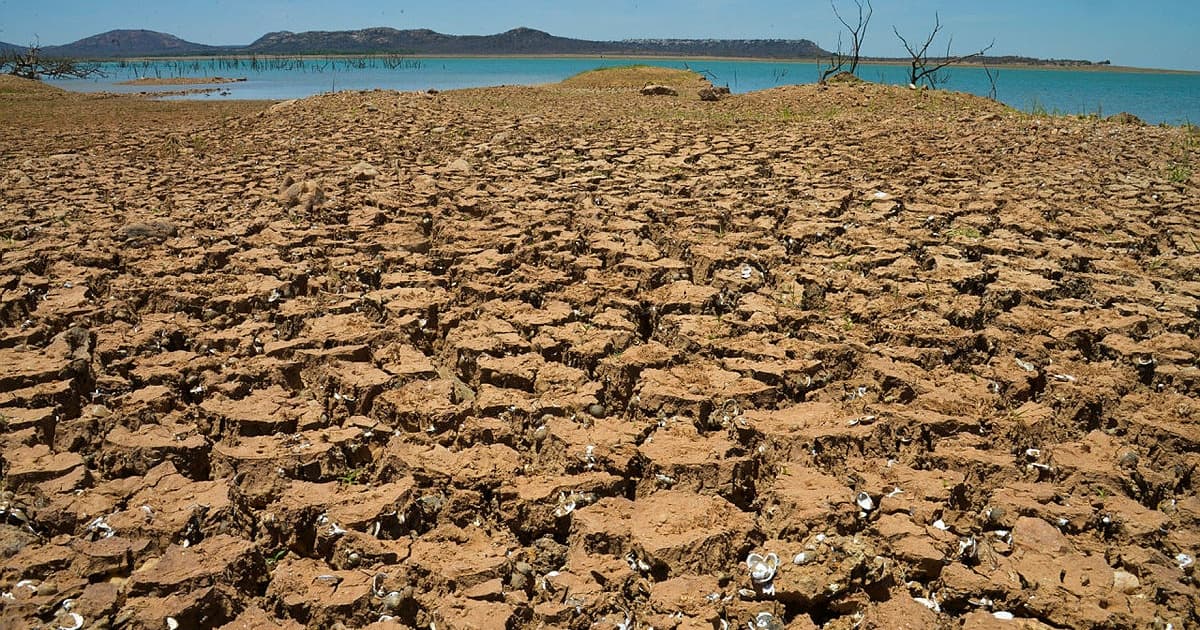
[(563, 356)]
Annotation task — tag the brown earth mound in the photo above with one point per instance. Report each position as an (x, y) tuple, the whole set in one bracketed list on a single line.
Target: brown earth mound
[(182, 81), (635, 78), (12, 86), (558, 357)]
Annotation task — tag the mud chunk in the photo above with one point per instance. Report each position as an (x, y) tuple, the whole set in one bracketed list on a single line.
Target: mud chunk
[(659, 90), (29, 465), (468, 613), (363, 171), (804, 501), (680, 457), (671, 535), (221, 559), (128, 452), (107, 556), (695, 389), (305, 194), (308, 589), (311, 456), (901, 613), (150, 231), (536, 506), (199, 608), (263, 412), (254, 618)]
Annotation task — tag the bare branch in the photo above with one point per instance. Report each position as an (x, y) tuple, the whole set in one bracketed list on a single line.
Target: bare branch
[(993, 76), (922, 68), (858, 31), (836, 62)]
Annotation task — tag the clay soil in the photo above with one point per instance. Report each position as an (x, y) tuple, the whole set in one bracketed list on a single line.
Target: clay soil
[(565, 356)]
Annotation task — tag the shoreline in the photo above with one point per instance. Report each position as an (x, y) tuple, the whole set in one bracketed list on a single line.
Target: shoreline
[(799, 60)]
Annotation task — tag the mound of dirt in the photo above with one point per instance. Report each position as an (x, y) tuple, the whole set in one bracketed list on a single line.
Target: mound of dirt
[(11, 86), (570, 358), (182, 81), (636, 77)]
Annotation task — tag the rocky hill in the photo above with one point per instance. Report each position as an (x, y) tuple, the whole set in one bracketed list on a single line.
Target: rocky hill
[(130, 43)]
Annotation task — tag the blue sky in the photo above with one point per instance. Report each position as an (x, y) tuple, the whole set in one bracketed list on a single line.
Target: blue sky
[(1157, 33)]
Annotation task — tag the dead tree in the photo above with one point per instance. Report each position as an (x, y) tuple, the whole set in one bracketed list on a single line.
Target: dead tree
[(30, 64), (992, 77), (929, 70), (858, 33)]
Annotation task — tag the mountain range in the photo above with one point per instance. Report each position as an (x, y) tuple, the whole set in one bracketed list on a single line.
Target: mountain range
[(520, 41)]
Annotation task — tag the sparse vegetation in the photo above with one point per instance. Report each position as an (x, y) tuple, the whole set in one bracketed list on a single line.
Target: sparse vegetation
[(1179, 169)]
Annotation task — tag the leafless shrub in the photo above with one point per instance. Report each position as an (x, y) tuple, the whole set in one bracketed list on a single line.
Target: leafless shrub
[(929, 70), (858, 33), (30, 64)]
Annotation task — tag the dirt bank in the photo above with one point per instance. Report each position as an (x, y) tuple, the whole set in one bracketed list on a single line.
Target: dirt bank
[(182, 81), (564, 356)]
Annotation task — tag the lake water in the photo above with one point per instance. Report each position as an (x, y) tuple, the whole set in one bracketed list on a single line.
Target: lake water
[(1154, 97)]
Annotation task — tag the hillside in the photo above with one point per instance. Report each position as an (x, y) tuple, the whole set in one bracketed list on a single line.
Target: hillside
[(130, 43), (520, 41)]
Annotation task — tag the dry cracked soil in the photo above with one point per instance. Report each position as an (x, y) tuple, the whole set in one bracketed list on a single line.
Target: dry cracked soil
[(572, 357)]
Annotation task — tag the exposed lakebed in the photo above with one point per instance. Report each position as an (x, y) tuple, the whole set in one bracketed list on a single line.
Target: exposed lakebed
[(566, 356)]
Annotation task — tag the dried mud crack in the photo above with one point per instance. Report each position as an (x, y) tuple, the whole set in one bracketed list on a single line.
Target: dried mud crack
[(571, 357)]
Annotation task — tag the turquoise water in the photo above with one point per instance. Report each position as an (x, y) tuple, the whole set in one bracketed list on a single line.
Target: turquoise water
[(1154, 97)]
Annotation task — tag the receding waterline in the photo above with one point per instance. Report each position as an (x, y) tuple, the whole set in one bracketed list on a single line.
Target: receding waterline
[(1172, 98)]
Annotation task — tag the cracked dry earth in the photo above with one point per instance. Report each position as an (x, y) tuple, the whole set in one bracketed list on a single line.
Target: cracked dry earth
[(569, 357)]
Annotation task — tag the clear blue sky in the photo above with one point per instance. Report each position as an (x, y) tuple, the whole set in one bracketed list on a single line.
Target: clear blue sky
[(1153, 33)]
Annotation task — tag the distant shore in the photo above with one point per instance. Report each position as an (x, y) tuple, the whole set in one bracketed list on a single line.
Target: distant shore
[(801, 60)]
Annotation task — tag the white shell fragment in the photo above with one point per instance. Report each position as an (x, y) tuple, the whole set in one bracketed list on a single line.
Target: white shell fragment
[(1003, 615), (99, 526), (928, 603), (802, 558), (762, 570), (747, 272), (865, 502), (172, 624), (377, 584), (940, 524), (1185, 561), (763, 621), (1025, 365)]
